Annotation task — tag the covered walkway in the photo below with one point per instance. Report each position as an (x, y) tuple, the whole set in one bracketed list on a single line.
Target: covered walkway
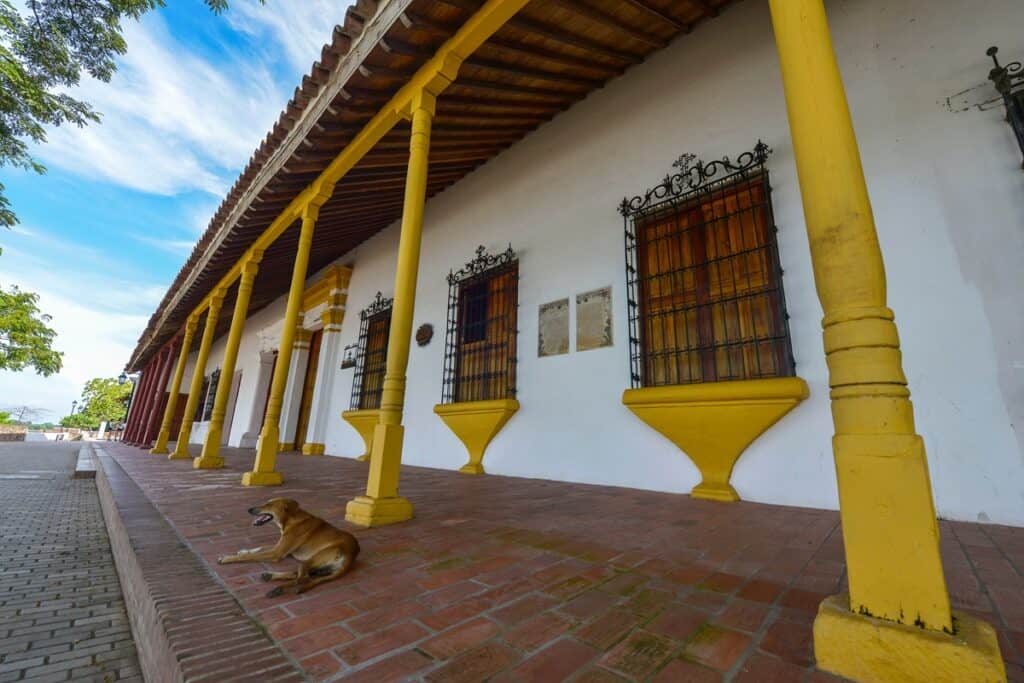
[(546, 581)]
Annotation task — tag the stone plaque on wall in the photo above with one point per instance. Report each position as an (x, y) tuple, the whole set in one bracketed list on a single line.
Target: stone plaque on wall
[(594, 319), (553, 328)]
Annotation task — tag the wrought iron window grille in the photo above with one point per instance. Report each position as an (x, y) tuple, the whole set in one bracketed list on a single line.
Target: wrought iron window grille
[(211, 395), (372, 354), (481, 332), (1009, 81), (705, 300)]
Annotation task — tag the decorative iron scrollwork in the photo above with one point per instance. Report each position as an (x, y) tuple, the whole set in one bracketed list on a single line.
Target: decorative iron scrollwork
[(694, 174), (481, 264), (1009, 81), (379, 303)]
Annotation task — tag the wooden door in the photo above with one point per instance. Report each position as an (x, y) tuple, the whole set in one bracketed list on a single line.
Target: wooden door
[(309, 384), (229, 413)]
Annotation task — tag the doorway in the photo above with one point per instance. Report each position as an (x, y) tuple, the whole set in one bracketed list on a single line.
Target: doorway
[(309, 384)]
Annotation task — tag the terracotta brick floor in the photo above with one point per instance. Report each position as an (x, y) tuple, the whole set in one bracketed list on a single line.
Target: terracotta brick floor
[(530, 580)]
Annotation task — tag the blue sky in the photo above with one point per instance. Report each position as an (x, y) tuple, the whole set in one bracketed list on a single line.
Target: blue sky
[(103, 233)]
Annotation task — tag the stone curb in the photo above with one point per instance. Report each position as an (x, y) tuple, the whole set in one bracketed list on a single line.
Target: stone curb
[(170, 594)]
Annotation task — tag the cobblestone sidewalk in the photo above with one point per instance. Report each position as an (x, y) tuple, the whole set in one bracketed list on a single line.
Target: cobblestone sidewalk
[(62, 615)]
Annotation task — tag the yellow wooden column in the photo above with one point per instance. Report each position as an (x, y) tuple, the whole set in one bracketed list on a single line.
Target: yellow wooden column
[(160, 447), (263, 472), (210, 457), (890, 626), (209, 328), (382, 504)]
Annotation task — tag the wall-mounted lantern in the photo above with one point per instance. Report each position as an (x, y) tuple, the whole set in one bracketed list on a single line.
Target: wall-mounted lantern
[(1009, 81)]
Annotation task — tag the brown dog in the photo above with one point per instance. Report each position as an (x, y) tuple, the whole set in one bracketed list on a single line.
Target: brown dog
[(324, 552)]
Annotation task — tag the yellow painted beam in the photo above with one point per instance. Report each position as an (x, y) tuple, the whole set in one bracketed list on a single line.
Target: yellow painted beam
[(181, 447), (264, 472), (160, 447), (382, 504), (896, 622), (210, 457)]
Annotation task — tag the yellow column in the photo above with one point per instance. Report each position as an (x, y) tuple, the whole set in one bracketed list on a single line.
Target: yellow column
[(209, 328), (263, 472), (210, 458), (382, 504), (888, 517), (160, 447)]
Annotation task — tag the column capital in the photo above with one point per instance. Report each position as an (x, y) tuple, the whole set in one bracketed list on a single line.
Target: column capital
[(251, 266), (333, 316), (217, 299)]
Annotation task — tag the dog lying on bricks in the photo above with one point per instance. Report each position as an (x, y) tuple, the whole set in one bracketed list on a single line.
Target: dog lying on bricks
[(324, 552)]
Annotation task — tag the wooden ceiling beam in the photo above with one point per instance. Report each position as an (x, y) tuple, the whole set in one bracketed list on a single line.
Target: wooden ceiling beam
[(491, 86), (607, 20), (572, 40), (659, 15), (537, 52), (531, 74), (705, 7), (554, 34)]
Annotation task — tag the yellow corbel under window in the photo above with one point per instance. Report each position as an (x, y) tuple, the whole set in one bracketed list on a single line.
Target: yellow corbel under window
[(714, 423)]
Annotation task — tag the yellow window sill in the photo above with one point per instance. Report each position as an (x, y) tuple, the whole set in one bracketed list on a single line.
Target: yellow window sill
[(713, 423), (363, 421), (476, 423)]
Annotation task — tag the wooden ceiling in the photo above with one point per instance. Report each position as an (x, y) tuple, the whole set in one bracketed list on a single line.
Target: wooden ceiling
[(548, 57)]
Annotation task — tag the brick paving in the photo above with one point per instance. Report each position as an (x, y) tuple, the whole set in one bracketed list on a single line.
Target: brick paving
[(192, 627), (527, 580), (62, 614)]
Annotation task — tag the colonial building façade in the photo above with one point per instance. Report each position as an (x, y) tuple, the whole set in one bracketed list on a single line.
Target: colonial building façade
[(605, 241)]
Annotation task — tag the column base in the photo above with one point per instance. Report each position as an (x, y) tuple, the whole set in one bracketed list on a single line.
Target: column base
[(262, 479), (313, 449), (175, 455), (208, 463), (472, 468), (721, 492), (365, 457), (863, 648), (367, 511), (157, 450)]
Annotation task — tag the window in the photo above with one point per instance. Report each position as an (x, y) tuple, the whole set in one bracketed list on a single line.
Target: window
[(210, 394), (480, 337), (201, 403), (374, 329), (706, 302)]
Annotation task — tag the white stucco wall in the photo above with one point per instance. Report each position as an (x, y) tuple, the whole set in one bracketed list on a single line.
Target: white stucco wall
[(949, 202)]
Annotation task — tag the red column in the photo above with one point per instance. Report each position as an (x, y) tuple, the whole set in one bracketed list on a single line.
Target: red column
[(156, 409), (143, 406)]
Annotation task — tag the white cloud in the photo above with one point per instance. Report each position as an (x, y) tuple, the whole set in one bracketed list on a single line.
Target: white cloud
[(172, 121), (300, 29), (96, 313)]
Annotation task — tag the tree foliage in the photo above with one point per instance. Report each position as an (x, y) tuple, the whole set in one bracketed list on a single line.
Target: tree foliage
[(104, 399), (44, 49), (5, 418), (26, 339)]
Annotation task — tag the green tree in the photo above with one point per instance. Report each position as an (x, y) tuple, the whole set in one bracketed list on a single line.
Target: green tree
[(26, 339), (43, 51), (104, 399), (78, 421), (5, 418)]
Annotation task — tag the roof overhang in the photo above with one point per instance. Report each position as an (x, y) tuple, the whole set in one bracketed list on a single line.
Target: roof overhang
[(547, 57)]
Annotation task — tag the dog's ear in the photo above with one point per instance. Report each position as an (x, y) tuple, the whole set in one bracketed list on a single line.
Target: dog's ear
[(290, 505)]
